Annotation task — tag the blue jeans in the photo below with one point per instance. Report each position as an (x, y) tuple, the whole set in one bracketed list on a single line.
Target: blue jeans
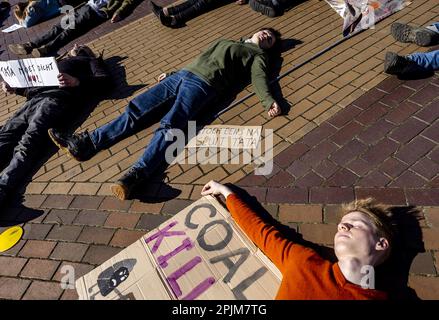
[(183, 93), (428, 60)]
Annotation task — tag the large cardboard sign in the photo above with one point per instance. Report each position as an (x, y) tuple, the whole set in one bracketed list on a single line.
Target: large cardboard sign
[(34, 72), (200, 253), (227, 136)]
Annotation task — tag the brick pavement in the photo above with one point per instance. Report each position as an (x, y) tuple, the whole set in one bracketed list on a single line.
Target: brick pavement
[(343, 107)]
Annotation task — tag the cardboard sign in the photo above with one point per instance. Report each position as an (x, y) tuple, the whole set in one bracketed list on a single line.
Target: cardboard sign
[(200, 253), (226, 136), (34, 72)]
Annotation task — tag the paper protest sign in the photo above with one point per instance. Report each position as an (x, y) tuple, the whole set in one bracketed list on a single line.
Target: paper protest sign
[(200, 253), (12, 28), (227, 136), (34, 72)]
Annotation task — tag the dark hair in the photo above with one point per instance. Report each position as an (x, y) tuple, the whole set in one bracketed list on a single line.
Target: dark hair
[(275, 32)]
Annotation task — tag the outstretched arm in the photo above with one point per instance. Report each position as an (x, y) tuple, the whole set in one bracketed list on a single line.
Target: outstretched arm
[(265, 236), (259, 78)]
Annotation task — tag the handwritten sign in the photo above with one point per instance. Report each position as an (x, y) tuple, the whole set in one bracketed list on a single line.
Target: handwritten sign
[(200, 253), (227, 136), (34, 72)]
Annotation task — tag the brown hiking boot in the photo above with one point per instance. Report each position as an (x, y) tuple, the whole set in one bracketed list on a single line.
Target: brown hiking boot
[(122, 188), (21, 49), (42, 51)]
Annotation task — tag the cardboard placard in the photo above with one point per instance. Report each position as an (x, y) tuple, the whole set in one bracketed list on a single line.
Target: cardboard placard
[(33, 72), (227, 136), (200, 253)]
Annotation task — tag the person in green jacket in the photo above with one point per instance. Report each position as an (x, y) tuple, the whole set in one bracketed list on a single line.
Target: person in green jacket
[(182, 94), (86, 18)]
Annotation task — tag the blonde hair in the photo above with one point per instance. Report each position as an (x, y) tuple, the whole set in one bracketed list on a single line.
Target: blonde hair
[(20, 11), (379, 214)]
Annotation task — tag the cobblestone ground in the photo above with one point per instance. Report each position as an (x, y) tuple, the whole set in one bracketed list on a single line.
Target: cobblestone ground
[(352, 131)]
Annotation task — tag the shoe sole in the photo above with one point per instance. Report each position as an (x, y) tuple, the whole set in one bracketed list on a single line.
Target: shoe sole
[(36, 53), (402, 32), (389, 60), (265, 10), (119, 191), (62, 148), (424, 39), (17, 52)]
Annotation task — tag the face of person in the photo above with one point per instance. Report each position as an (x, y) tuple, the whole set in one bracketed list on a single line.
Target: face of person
[(264, 39), (80, 50), (356, 237)]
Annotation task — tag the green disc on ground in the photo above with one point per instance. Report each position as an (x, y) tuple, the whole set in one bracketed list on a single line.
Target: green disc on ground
[(10, 237)]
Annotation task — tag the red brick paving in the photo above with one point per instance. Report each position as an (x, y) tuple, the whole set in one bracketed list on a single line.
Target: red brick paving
[(384, 144), (380, 145), (27, 34)]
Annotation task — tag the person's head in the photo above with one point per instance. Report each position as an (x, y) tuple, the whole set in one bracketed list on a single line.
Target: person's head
[(365, 232), (81, 50), (20, 10), (266, 38)]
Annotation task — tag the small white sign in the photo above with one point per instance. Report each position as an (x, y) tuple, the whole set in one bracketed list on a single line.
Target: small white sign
[(12, 28), (228, 136), (34, 72)]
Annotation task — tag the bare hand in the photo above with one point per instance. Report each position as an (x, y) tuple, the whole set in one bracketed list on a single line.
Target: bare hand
[(241, 2), (161, 77), (115, 18), (6, 88), (66, 80), (215, 188), (274, 110)]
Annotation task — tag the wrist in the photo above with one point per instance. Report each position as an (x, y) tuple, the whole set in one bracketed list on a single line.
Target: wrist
[(226, 192)]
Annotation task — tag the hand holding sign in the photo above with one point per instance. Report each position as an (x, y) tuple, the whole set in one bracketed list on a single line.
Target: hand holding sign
[(215, 188), (66, 80), (6, 88)]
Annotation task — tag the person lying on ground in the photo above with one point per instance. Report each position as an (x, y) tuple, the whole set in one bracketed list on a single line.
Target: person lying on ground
[(33, 12), (23, 135), (92, 14), (175, 16), (363, 241), (415, 62), (182, 95)]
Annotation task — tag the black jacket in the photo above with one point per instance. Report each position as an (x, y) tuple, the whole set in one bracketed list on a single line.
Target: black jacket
[(91, 73)]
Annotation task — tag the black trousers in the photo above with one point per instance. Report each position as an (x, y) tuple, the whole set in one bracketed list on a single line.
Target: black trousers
[(190, 9), (57, 37), (24, 136)]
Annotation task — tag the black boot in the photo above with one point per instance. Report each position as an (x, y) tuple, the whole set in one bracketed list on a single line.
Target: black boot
[(265, 7), (398, 65), (156, 9), (421, 36), (122, 188), (78, 146)]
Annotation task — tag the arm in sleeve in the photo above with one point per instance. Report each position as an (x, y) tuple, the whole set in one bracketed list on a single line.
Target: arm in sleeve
[(266, 237), (126, 7), (21, 92), (32, 18), (259, 79)]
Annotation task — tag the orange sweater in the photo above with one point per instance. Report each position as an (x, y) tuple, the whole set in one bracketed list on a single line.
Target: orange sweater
[(306, 275)]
